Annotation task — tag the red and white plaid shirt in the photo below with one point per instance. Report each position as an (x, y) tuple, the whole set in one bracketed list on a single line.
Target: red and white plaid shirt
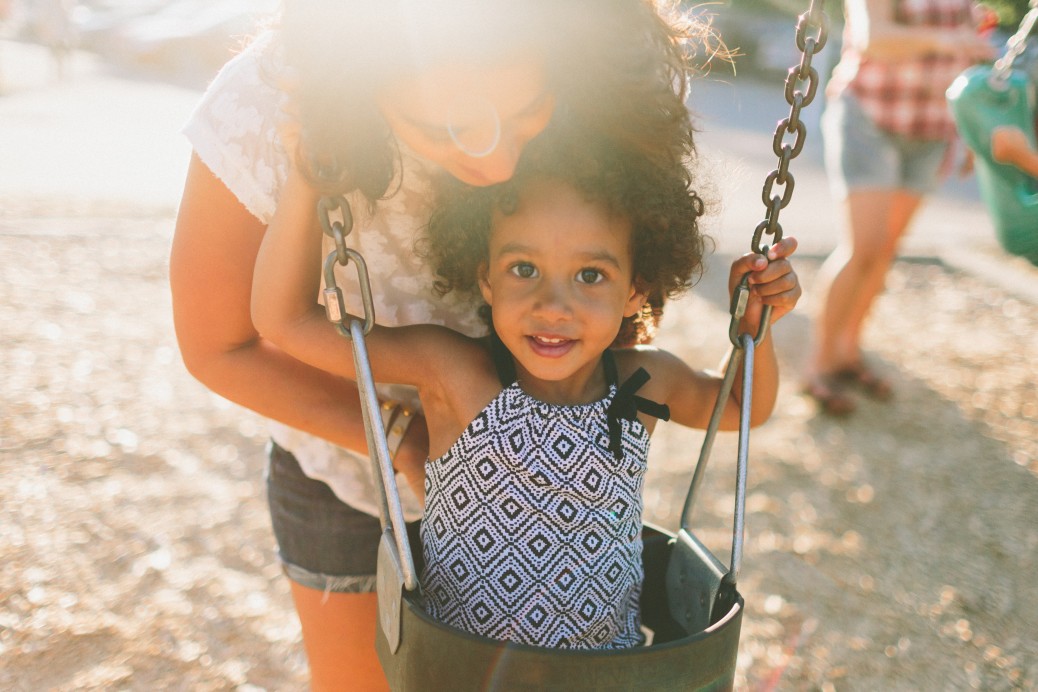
[(906, 96)]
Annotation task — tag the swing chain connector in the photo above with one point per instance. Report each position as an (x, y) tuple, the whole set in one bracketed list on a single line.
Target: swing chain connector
[(740, 299), (812, 33), (338, 230)]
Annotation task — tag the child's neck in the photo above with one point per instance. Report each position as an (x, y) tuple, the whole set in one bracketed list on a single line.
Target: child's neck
[(583, 387)]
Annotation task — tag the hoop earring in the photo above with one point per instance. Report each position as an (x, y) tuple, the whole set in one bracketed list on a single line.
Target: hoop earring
[(485, 113)]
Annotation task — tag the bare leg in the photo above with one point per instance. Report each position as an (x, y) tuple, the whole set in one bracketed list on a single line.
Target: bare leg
[(854, 274), (339, 636)]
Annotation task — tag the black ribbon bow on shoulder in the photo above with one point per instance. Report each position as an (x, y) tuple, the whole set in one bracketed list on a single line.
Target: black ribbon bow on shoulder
[(626, 405)]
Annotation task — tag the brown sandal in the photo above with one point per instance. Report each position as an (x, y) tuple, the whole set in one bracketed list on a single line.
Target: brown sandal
[(867, 381), (830, 393)]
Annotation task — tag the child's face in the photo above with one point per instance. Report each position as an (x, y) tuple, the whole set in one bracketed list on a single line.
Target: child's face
[(560, 280), (471, 121)]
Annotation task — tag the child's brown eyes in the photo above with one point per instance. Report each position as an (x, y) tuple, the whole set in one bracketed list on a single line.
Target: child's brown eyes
[(524, 270), (589, 276)]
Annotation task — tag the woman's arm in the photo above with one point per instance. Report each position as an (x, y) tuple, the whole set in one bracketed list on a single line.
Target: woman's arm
[(875, 34), (211, 269), (444, 365)]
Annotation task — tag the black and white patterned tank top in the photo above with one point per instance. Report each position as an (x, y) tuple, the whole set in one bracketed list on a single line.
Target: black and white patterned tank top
[(533, 518)]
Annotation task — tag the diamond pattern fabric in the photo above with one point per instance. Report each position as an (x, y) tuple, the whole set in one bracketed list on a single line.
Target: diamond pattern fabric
[(532, 529)]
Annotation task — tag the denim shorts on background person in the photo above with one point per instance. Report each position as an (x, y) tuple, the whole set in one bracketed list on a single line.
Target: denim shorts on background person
[(860, 155), (323, 543)]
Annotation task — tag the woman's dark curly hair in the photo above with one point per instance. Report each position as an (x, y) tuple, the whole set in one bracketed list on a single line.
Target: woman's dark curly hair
[(617, 67), (657, 199)]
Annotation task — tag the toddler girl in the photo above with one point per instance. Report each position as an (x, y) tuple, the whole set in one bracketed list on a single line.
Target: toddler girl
[(538, 441)]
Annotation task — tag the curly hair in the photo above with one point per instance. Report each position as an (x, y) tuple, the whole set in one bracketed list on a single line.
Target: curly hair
[(618, 67), (656, 198)]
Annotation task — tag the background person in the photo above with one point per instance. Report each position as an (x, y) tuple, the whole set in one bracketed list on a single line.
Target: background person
[(886, 131)]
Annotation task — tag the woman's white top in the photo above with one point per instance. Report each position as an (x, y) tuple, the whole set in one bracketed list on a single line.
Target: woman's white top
[(234, 131)]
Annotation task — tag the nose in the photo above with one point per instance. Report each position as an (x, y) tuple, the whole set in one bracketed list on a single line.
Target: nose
[(499, 164), (552, 302)]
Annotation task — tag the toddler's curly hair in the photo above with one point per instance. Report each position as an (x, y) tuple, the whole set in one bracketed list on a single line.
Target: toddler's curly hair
[(656, 198)]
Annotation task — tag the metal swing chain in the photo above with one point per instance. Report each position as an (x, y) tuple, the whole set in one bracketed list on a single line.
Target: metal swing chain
[(1015, 46), (812, 32), (390, 510)]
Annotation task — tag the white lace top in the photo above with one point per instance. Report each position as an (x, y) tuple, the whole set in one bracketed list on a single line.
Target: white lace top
[(234, 132)]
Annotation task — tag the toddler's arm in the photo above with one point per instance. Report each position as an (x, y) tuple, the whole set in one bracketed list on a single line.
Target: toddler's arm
[(1009, 145), (285, 308), (690, 393)]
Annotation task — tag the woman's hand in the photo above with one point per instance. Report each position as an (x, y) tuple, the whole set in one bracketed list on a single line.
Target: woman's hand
[(773, 283)]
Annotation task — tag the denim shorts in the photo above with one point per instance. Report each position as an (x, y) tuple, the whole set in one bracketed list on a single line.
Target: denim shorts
[(860, 155), (323, 543)]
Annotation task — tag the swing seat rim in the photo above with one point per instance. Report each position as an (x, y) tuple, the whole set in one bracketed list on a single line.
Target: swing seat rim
[(411, 599)]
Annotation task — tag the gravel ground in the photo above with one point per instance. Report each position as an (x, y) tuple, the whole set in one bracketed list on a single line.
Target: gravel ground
[(895, 550)]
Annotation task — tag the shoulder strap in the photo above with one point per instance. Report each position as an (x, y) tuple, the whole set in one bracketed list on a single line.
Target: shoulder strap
[(626, 405)]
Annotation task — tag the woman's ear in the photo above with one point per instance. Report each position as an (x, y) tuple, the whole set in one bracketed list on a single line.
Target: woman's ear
[(637, 299), (484, 284)]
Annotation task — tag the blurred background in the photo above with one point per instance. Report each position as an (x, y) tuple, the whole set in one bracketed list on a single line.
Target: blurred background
[(185, 40), (894, 550)]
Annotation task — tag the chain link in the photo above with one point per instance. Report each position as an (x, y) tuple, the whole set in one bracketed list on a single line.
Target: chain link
[(812, 32), (1015, 46), (797, 98), (338, 230), (393, 545)]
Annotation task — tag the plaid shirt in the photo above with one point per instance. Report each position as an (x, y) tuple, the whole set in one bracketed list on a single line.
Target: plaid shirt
[(906, 96)]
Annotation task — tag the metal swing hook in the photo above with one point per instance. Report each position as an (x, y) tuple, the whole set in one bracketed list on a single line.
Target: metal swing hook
[(740, 299), (334, 304)]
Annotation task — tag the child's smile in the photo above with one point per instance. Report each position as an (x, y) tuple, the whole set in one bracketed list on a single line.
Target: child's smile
[(560, 281), (550, 347)]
